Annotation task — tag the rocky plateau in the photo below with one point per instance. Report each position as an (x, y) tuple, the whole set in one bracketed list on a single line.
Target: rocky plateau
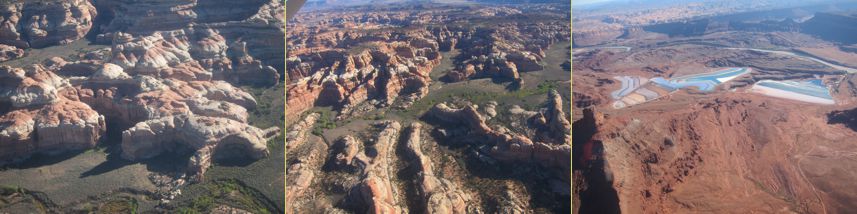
[(156, 78), (417, 108)]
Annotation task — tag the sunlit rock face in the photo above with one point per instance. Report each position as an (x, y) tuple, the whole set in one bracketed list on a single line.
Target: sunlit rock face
[(39, 119), (169, 77)]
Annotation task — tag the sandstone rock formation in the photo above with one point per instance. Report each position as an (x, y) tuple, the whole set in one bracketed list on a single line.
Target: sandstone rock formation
[(349, 148), (68, 125), (98, 87), (594, 32), (8, 52), (53, 128), (258, 23), (439, 195), (37, 120), (334, 78), (171, 54), (509, 50), (41, 24), (554, 121), (297, 133), (300, 178), (513, 147), (209, 136), (136, 17), (33, 85), (302, 173), (169, 82), (376, 189), (497, 65), (156, 99)]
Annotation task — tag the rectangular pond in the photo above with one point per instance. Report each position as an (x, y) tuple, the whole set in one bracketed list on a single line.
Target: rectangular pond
[(637, 90), (812, 91)]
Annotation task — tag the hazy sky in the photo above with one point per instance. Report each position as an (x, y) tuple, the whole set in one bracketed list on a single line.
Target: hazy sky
[(585, 2)]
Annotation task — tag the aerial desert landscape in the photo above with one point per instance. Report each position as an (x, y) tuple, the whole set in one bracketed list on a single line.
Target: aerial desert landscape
[(443, 107), (123, 106), (714, 107)]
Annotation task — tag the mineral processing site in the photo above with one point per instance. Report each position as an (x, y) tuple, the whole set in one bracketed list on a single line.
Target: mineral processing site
[(715, 107), (126, 106), (429, 108)]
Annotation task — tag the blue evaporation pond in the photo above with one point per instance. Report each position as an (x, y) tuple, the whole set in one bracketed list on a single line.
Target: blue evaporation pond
[(812, 88), (660, 81), (715, 76), (703, 82), (673, 85), (817, 82), (627, 86)]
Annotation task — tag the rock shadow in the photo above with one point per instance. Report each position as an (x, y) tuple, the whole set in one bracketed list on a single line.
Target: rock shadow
[(845, 117), (599, 195)]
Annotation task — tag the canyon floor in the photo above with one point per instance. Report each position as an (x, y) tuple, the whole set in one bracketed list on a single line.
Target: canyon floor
[(662, 124), (445, 108)]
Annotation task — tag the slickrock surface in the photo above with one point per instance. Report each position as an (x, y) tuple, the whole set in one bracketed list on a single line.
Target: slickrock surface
[(41, 24), (206, 135), (512, 147), (68, 125), (168, 55), (302, 173), (54, 128), (40, 121), (439, 194), (33, 85), (297, 133), (258, 22), (376, 189)]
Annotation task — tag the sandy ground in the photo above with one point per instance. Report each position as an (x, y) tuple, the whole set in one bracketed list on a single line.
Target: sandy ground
[(34, 55), (73, 179)]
